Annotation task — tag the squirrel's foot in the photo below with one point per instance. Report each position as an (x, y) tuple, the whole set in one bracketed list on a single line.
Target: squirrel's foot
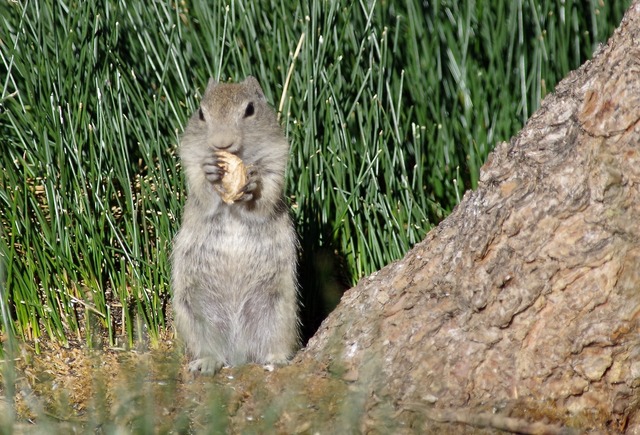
[(276, 359), (205, 366)]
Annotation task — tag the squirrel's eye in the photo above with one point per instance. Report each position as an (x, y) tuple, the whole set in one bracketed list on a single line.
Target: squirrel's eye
[(249, 111), (201, 114)]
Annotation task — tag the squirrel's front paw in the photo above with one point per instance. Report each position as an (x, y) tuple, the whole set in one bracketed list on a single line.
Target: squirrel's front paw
[(249, 191), (213, 171)]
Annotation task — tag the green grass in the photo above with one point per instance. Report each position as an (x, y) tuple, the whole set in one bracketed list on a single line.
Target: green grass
[(391, 109)]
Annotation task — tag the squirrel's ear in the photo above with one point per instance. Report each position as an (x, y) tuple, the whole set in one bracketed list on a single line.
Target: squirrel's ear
[(212, 84), (253, 84)]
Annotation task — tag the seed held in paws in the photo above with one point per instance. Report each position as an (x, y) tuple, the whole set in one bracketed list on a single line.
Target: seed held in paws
[(234, 178)]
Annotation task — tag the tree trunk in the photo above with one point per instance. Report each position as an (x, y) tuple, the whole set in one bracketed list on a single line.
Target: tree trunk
[(521, 310)]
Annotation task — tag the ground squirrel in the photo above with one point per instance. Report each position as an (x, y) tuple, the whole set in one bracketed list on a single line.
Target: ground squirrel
[(233, 262)]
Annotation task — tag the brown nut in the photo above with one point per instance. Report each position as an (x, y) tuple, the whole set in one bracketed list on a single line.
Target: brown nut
[(234, 178)]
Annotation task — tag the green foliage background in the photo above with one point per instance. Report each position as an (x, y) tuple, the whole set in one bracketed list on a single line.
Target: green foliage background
[(391, 108)]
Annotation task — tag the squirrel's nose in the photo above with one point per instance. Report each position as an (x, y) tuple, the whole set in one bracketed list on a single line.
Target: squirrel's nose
[(224, 140)]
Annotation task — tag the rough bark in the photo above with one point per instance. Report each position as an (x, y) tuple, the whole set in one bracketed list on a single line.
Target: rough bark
[(520, 312), (524, 304)]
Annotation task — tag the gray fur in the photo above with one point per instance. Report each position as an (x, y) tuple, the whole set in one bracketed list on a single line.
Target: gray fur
[(233, 275)]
